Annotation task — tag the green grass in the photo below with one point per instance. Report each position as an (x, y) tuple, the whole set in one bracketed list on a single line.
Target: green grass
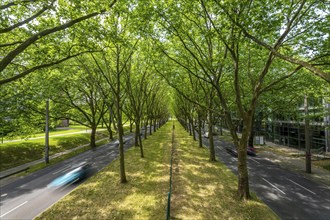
[(143, 197), (325, 163), (53, 132), (208, 190), (18, 153), (61, 158), (201, 189)]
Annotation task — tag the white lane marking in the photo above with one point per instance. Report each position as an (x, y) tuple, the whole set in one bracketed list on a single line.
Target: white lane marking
[(110, 153), (255, 161), (63, 169), (3, 195), (273, 186), (302, 186), (14, 209)]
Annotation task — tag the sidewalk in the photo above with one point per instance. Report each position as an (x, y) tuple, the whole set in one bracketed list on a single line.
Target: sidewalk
[(283, 156)]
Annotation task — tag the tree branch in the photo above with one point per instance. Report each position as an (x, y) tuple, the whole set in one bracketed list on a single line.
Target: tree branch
[(28, 71), (10, 28), (11, 55)]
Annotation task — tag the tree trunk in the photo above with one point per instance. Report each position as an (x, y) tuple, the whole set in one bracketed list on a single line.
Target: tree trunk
[(121, 149), (210, 123), (250, 141), (190, 126), (137, 132), (221, 127), (93, 139), (146, 129), (307, 138), (141, 146), (243, 175), (193, 130), (200, 131), (120, 123), (110, 133)]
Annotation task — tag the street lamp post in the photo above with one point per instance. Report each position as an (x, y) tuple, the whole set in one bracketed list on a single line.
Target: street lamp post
[(47, 133)]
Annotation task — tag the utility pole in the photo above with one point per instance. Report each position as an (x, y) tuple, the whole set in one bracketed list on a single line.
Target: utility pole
[(47, 133), (307, 138)]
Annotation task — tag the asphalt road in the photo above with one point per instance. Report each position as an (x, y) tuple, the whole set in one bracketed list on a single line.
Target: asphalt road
[(288, 194), (29, 196)]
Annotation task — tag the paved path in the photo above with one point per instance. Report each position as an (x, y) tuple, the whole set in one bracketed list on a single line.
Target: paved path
[(293, 164)]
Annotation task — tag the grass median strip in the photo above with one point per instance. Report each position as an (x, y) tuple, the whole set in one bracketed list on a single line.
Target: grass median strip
[(201, 190), (143, 197)]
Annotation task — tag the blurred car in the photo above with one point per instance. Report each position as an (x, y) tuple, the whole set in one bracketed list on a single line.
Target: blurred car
[(206, 135), (251, 151), (79, 172), (124, 141)]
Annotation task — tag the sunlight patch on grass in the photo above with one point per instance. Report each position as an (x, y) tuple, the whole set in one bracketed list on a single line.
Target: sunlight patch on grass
[(18, 153), (207, 190), (201, 189), (143, 197)]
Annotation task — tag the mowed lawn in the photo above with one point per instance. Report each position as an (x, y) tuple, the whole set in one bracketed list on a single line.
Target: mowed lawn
[(201, 189), (17, 153), (207, 190)]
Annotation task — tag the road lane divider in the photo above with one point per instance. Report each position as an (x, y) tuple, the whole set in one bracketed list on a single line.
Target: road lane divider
[(274, 186), (255, 161), (13, 209), (110, 153), (61, 170), (302, 186)]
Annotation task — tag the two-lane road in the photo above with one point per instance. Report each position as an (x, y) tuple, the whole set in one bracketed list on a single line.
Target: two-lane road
[(289, 194), (29, 196)]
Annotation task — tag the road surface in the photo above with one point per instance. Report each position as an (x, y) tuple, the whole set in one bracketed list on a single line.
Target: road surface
[(288, 194), (29, 196)]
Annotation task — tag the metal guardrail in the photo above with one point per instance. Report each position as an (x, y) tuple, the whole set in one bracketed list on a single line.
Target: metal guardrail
[(168, 209)]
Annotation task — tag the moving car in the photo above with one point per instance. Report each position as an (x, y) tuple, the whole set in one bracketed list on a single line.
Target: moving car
[(251, 151), (78, 172)]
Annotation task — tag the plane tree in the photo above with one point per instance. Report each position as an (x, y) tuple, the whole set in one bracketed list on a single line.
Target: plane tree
[(33, 34), (137, 80), (238, 66), (76, 95)]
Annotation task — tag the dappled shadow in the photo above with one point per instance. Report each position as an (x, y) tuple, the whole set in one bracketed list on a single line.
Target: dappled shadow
[(207, 190), (144, 196), (69, 142)]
